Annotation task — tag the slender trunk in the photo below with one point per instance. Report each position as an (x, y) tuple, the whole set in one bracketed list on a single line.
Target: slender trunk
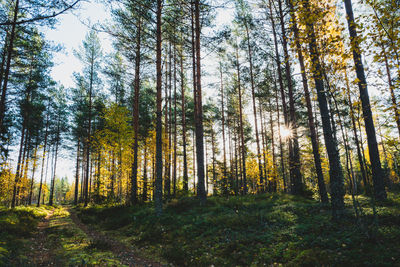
[(206, 163), (359, 155), (194, 163), (282, 160), (55, 164), (3, 57), (159, 163), (201, 193), (144, 195), (43, 158), (253, 96), (213, 162), (274, 171), (282, 91), (77, 173), (335, 168), (33, 174), (8, 66), (175, 130), (296, 177), (86, 186), (185, 165), (224, 178), (167, 181), (313, 133), (243, 150), (17, 173), (135, 115), (377, 172)]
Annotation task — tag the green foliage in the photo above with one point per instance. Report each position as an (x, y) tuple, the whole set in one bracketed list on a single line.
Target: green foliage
[(255, 230)]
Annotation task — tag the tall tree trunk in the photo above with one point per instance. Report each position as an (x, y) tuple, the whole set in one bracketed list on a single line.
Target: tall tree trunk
[(253, 96), (185, 165), (135, 114), (4, 58), (167, 181), (335, 168), (377, 172), (33, 173), (159, 163), (18, 170), (214, 174), (8, 66), (281, 151), (194, 162), (43, 156), (296, 177), (243, 150), (313, 134), (282, 91), (144, 195), (201, 193), (225, 177), (77, 173), (55, 164), (274, 166), (175, 130), (86, 186), (359, 155)]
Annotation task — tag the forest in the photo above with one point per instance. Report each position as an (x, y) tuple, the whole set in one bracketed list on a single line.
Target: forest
[(211, 133)]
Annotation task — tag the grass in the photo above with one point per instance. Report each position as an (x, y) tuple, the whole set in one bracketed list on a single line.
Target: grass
[(65, 242), (256, 230), (72, 247), (16, 227)]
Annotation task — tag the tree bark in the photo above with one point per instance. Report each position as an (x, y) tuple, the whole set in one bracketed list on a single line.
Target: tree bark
[(159, 163), (377, 172), (77, 173), (8, 66), (253, 95), (185, 165), (135, 114), (201, 193), (313, 134), (43, 158), (243, 150), (335, 168), (225, 177), (296, 177)]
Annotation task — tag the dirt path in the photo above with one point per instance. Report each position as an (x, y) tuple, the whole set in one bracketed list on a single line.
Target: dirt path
[(125, 254), (40, 254)]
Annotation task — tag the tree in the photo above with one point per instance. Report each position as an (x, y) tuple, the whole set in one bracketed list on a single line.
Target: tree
[(90, 54), (377, 172)]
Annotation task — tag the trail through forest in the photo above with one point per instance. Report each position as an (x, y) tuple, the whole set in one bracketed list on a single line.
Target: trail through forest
[(120, 250), (62, 232), (41, 254)]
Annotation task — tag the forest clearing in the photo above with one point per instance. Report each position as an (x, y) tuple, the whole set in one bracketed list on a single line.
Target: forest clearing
[(199, 133)]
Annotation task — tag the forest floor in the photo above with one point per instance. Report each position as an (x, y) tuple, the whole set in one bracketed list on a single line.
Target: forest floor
[(256, 230), (269, 229), (54, 236)]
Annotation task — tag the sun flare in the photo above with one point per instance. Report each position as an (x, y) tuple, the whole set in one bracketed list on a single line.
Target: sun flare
[(285, 132)]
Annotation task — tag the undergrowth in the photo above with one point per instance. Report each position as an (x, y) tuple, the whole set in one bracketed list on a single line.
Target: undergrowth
[(16, 227), (256, 230)]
